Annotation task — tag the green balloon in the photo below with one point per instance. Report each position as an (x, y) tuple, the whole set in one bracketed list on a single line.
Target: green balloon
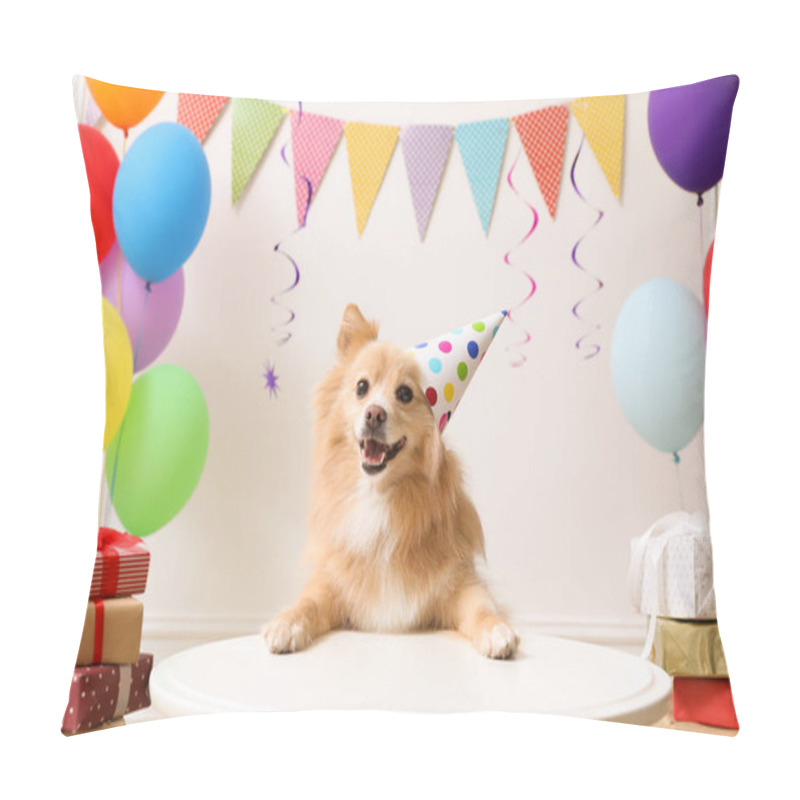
[(154, 462)]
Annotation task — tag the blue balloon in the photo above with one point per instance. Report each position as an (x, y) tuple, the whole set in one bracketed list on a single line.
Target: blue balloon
[(658, 358), (161, 200)]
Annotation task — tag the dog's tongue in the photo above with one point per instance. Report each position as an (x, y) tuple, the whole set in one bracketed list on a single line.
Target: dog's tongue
[(373, 451)]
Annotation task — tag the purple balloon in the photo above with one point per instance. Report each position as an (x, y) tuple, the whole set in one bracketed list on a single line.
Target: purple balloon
[(150, 324), (689, 128)]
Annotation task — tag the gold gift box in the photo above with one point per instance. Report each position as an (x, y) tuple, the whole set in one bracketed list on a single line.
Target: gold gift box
[(119, 639), (689, 648)]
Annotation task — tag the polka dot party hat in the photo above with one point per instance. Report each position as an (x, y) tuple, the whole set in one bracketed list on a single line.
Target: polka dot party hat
[(450, 361)]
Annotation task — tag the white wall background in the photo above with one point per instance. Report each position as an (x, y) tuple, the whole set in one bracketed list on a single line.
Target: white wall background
[(561, 480)]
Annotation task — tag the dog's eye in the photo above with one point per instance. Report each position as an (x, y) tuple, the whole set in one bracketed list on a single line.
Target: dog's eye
[(404, 394), (362, 387)]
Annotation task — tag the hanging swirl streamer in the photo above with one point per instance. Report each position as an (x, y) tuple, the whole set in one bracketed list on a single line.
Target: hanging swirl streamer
[(600, 215), (282, 329), (521, 357)]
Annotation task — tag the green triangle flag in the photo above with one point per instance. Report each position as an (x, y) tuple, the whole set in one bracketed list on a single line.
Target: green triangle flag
[(254, 125)]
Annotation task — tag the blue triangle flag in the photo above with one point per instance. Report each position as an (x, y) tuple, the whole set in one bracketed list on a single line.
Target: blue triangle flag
[(482, 146)]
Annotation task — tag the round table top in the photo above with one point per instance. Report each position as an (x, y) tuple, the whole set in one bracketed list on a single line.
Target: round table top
[(430, 672)]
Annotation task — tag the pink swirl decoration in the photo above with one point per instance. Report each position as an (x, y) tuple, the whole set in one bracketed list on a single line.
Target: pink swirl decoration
[(521, 357), (579, 344)]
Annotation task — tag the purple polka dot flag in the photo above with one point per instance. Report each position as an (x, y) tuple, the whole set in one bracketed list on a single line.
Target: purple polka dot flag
[(450, 361), (425, 150), (314, 140)]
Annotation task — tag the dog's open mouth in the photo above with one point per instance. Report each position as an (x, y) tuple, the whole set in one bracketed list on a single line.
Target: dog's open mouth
[(376, 455)]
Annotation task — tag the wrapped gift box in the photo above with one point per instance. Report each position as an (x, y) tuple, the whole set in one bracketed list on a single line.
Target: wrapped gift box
[(690, 648), (104, 692), (120, 566), (671, 571), (112, 632), (705, 700)]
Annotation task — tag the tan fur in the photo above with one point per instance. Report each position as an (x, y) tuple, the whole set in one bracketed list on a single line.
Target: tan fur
[(393, 551)]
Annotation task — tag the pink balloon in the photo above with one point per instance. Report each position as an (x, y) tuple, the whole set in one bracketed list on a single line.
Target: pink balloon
[(150, 321)]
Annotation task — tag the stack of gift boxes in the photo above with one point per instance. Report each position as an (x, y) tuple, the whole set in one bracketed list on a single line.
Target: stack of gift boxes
[(111, 676), (671, 580)]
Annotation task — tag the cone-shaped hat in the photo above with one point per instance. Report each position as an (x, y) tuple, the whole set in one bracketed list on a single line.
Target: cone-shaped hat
[(450, 361)]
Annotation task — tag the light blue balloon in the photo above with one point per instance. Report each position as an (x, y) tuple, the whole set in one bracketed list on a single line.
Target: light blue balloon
[(658, 358), (162, 195)]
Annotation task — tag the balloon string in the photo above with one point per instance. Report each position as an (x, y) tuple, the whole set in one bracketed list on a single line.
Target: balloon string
[(702, 239), (84, 101), (600, 215), (522, 358), (100, 507), (119, 249), (287, 335), (677, 460), (149, 289)]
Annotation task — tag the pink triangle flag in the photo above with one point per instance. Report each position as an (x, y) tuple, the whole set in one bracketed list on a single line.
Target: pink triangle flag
[(314, 140), (543, 134), (198, 112), (425, 149)]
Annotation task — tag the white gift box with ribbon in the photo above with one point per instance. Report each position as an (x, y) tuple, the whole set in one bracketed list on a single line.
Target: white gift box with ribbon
[(671, 571)]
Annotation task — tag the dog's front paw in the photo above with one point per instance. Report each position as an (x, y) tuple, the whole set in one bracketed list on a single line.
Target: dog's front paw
[(498, 641), (284, 635)]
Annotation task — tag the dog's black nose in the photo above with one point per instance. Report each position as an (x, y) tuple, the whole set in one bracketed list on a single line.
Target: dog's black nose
[(374, 416)]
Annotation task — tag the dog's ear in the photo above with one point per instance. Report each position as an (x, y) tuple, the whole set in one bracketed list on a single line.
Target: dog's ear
[(434, 454), (355, 332)]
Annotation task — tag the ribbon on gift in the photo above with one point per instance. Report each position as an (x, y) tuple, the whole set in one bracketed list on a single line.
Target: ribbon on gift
[(124, 691), (647, 567), (99, 630), (110, 545)]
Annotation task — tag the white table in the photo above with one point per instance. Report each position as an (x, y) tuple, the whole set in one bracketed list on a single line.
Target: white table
[(437, 671)]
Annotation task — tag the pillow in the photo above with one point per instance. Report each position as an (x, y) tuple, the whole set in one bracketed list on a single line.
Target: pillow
[(249, 250)]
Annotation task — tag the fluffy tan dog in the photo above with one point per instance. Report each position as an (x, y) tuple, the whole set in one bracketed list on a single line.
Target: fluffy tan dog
[(393, 536)]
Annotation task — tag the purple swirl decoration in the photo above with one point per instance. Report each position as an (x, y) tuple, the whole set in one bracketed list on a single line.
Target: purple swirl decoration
[(521, 357), (284, 335), (600, 215)]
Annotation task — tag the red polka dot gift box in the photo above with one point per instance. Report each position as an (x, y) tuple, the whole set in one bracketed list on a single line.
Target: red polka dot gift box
[(121, 565), (104, 692)]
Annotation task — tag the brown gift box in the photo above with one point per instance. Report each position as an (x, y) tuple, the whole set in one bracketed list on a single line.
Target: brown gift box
[(689, 648), (112, 632)]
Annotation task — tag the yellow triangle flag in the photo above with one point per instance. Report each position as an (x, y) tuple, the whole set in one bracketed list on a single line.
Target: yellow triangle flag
[(602, 120), (369, 150)]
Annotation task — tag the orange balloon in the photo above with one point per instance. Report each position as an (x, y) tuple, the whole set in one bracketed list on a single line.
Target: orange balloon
[(123, 106)]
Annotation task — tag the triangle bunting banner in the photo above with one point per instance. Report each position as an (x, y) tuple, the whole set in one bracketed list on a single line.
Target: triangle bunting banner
[(254, 124), (198, 112), (602, 120), (482, 146), (543, 134), (425, 150), (314, 140), (369, 150)]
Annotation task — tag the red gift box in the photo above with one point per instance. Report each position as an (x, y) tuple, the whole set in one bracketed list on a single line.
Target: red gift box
[(708, 701), (120, 566), (104, 692)]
